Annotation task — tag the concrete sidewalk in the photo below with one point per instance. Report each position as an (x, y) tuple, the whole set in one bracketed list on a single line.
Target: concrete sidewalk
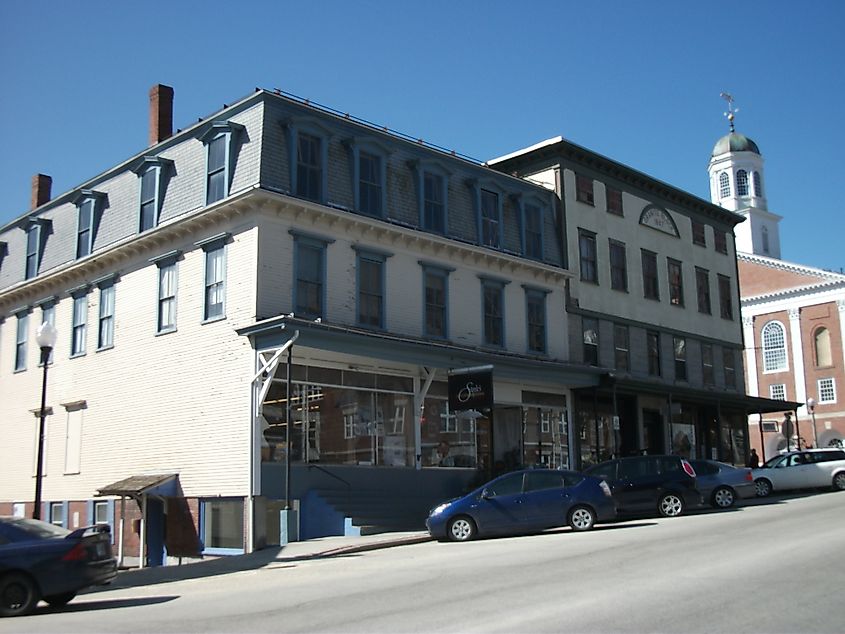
[(277, 555)]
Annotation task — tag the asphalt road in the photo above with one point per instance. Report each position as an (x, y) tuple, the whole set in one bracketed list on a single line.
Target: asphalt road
[(771, 566)]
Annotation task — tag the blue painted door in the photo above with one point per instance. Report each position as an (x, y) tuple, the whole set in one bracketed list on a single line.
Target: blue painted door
[(155, 532)]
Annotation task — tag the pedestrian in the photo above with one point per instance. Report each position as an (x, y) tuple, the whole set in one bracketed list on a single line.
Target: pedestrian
[(753, 459)]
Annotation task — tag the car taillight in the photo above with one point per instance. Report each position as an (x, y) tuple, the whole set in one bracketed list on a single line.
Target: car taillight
[(688, 468), (605, 488), (77, 553)]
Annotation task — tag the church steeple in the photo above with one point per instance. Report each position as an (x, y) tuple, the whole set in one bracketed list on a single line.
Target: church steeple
[(736, 183)]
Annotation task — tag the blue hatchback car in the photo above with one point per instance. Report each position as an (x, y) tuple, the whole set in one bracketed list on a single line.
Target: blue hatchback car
[(524, 502)]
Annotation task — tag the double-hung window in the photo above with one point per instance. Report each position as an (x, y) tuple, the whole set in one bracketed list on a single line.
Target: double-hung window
[(827, 390), (490, 219), (653, 352), (584, 189), (149, 180), (310, 275), (167, 287), (493, 311), (588, 256), (370, 187), (618, 266), (725, 301), (651, 289), (614, 201), (720, 241), (33, 249), (777, 392), (702, 283), (85, 220), (729, 363), (707, 363), (309, 166), (590, 332), (434, 202), (535, 314), (621, 347), (436, 291), (152, 172), (698, 235), (533, 232), (219, 140), (676, 282), (371, 287), (369, 171), (214, 296), (79, 322), (680, 346), (105, 327), (21, 333), (774, 347)]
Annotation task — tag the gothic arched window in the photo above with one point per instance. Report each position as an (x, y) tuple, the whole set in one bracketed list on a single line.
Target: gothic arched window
[(724, 185), (774, 347), (821, 346), (758, 184), (742, 183)]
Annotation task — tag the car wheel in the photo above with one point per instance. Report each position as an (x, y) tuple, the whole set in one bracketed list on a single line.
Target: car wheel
[(763, 487), (461, 529), (839, 481), (582, 518), (723, 498), (18, 595), (58, 600), (671, 505)]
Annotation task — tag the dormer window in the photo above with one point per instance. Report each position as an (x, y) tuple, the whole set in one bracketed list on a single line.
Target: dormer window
[(308, 147), (89, 207), (219, 141), (36, 235), (742, 183), (369, 176), (432, 180), (152, 172)]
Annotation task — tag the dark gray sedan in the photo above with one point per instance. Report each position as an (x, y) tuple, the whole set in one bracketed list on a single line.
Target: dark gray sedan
[(721, 484)]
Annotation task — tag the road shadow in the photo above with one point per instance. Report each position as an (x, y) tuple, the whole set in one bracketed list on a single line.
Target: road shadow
[(105, 604), (194, 570)]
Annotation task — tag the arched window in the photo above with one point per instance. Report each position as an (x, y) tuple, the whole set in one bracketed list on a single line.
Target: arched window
[(724, 185), (774, 347), (742, 183), (765, 232), (821, 344), (758, 184)]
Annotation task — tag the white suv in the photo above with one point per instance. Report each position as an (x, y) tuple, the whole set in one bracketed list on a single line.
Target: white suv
[(806, 469)]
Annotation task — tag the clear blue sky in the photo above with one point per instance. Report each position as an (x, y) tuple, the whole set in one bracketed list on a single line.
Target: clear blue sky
[(637, 81)]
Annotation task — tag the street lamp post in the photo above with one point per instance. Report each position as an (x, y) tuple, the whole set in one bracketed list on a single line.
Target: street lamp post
[(46, 338), (811, 406)]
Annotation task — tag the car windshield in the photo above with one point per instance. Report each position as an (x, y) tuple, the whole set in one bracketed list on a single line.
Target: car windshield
[(37, 528), (773, 462)]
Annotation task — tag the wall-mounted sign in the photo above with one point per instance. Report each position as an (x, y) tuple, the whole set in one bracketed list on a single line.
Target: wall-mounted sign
[(658, 218), (471, 389)]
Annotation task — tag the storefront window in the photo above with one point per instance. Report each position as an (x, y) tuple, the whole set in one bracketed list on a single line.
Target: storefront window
[(546, 437), (223, 524), (449, 440)]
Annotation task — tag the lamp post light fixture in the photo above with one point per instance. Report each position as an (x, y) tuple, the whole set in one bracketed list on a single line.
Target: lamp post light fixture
[(811, 406), (46, 339)]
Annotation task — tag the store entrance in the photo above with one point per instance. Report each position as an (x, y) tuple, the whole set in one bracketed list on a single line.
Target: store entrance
[(507, 439), (655, 442)]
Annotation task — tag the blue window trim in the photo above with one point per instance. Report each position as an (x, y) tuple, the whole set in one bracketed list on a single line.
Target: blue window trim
[(420, 168), (79, 293), (162, 169), (295, 126), (90, 518), (522, 203), (476, 186), (161, 261), (356, 146), (380, 257), (498, 284), (4, 251), (317, 242), (534, 292), (230, 130), (433, 268)]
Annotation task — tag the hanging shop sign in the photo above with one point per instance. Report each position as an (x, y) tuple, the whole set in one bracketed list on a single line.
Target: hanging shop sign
[(471, 389)]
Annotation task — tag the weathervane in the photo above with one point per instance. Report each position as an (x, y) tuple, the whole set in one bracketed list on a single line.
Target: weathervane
[(731, 113)]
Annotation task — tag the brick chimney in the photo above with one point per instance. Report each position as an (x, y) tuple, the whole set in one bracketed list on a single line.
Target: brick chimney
[(161, 113), (41, 185)]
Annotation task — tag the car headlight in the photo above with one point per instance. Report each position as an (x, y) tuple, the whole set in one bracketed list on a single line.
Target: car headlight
[(439, 509)]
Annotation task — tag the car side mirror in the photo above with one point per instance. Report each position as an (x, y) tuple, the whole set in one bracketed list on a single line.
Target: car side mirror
[(486, 494)]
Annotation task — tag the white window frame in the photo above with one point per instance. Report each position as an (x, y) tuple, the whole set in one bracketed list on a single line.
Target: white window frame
[(775, 357), (827, 390), (79, 323), (105, 320), (777, 391)]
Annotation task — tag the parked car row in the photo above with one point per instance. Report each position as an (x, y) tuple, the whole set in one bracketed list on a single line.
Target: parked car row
[(535, 500), (42, 561)]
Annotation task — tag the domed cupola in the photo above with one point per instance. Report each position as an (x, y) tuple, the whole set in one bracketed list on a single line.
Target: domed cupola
[(736, 183)]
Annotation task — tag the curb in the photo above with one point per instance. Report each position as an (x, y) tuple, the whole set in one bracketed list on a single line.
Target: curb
[(359, 548)]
